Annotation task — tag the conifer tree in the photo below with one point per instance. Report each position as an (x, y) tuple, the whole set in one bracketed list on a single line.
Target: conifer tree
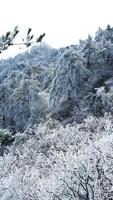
[(9, 38)]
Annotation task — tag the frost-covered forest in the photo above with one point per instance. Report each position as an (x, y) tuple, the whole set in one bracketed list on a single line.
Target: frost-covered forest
[(56, 122)]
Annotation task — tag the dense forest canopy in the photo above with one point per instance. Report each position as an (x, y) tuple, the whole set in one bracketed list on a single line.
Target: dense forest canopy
[(56, 126), (70, 82)]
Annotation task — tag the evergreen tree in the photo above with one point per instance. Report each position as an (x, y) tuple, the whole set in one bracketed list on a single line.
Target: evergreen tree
[(8, 39)]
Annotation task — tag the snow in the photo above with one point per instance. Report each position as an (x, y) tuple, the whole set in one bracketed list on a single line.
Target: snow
[(57, 105)]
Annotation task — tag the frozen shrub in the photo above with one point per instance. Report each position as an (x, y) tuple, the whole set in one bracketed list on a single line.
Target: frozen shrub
[(56, 162)]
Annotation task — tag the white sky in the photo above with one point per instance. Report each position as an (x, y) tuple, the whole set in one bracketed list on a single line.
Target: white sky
[(63, 21)]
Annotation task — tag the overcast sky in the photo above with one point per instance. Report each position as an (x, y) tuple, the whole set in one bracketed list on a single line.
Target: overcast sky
[(63, 21)]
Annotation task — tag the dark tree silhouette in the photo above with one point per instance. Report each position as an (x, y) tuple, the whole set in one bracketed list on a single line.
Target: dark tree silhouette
[(40, 38), (8, 39)]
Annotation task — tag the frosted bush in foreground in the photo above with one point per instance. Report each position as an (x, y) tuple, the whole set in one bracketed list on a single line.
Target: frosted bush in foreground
[(56, 162)]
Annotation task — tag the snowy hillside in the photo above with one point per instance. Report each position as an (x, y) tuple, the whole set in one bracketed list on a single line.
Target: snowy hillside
[(56, 126), (22, 97), (68, 81)]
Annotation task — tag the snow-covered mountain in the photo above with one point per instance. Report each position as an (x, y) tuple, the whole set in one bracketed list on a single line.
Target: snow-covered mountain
[(56, 110), (65, 82)]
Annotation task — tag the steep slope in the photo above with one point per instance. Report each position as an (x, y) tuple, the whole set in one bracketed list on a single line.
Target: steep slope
[(81, 72), (43, 94), (70, 82)]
